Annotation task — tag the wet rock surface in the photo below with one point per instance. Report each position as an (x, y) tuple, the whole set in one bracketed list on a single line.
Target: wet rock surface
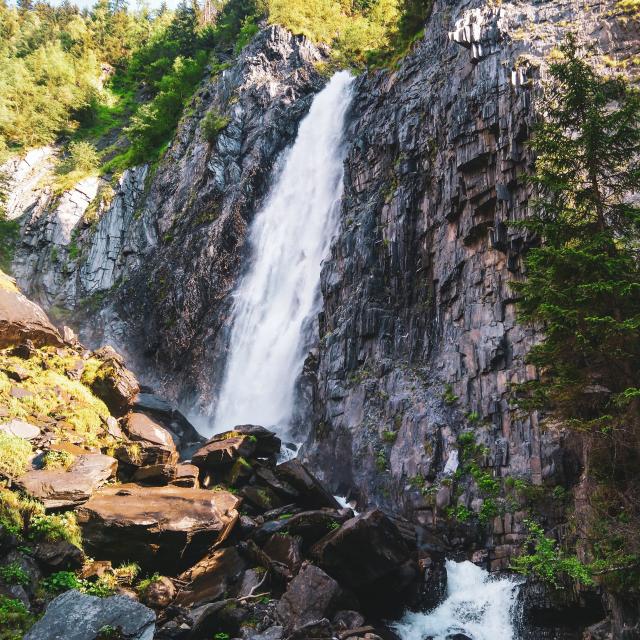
[(162, 527)]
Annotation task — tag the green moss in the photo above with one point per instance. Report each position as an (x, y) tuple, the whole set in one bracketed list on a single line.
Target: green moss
[(57, 460)]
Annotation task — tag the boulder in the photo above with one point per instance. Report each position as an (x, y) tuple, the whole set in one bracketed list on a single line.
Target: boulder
[(312, 494), (211, 578), (71, 487), (369, 556), (160, 593), (186, 437), (186, 475), (77, 616), (58, 555), (267, 443), (156, 444), (222, 451), (164, 528), (113, 383), (157, 474), (309, 525), (21, 429), (286, 551), (21, 319), (311, 596), (316, 630)]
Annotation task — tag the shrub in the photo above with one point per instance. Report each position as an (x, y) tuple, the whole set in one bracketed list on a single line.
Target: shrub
[(212, 124), (547, 562), (83, 157)]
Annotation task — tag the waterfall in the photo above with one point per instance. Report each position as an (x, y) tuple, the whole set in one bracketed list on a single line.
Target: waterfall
[(477, 605), (278, 296)]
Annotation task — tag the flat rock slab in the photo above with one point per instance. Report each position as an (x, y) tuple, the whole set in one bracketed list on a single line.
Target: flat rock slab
[(165, 529), (21, 429), (76, 616), (71, 487)]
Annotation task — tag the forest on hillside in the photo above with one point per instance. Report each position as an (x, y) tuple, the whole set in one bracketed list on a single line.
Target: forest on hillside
[(79, 77)]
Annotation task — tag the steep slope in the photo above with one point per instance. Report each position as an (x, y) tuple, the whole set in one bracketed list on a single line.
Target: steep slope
[(156, 255)]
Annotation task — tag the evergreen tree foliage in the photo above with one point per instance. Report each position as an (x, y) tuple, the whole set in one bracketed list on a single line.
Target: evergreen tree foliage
[(582, 288)]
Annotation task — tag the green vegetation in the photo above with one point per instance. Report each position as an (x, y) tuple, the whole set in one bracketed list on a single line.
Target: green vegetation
[(212, 124), (56, 85), (57, 460), (48, 377), (547, 562), (15, 619), (583, 287), (15, 453), (13, 573), (448, 396)]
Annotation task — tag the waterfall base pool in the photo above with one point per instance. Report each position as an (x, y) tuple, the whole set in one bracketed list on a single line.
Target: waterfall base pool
[(477, 605)]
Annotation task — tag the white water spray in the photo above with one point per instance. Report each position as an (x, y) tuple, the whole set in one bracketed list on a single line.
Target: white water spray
[(289, 238), (477, 605)]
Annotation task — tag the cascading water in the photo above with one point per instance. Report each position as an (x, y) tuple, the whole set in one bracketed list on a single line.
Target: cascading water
[(477, 606), (274, 301)]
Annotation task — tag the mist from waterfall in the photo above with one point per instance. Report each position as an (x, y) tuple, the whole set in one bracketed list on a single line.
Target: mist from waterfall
[(279, 294), (477, 605)]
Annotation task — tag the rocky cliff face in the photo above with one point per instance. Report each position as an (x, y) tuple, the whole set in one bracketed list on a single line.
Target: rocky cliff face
[(420, 338)]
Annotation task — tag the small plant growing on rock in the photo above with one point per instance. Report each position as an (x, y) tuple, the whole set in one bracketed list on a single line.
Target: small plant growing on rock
[(13, 573), (62, 526), (212, 124), (389, 436), (57, 460), (15, 618), (61, 581), (448, 396)]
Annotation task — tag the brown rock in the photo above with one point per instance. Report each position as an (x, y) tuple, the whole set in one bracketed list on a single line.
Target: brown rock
[(211, 577), (157, 474), (21, 319), (164, 528), (186, 475), (160, 593), (71, 487), (155, 442), (311, 596), (114, 383), (285, 550), (222, 451)]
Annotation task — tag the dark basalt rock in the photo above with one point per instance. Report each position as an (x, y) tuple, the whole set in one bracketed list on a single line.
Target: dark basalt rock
[(369, 556), (311, 596), (59, 555), (312, 494)]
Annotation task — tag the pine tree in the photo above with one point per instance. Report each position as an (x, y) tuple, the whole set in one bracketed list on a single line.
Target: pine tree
[(582, 286), (183, 28)]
